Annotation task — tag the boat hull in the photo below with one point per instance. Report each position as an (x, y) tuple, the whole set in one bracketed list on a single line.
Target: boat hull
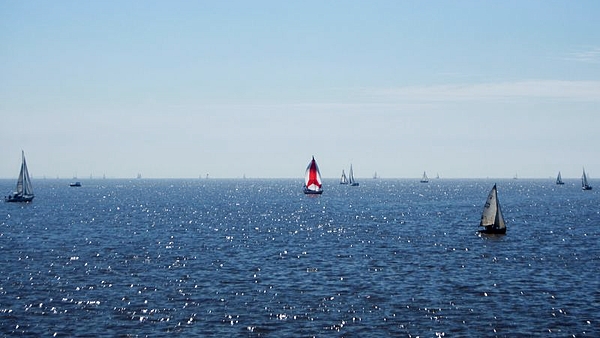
[(19, 198), (312, 192), (586, 188), (493, 231)]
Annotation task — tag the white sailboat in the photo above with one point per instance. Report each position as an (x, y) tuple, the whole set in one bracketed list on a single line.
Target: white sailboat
[(24, 191), (351, 179), (559, 180), (424, 179), (312, 179), (584, 181), (492, 218), (343, 179)]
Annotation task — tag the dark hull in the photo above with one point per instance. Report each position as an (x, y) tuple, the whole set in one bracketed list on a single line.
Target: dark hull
[(493, 231), (18, 199), (354, 185), (586, 188), (312, 192)]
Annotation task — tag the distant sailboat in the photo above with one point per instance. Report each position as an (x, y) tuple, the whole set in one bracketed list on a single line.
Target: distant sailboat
[(343, 179), (424, 179), (24, 192), (584, 182), (351, 177), (312, 179), (491, 218), (559, 180), (375, 176)]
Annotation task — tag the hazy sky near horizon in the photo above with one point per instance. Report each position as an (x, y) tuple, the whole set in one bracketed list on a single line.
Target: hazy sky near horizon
[(232, 88)]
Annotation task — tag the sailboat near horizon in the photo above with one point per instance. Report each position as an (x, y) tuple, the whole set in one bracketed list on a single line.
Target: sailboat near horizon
[(351, 178), (312, 179), (584, 181), (559, 180), (424, 179), (24, 191), (491, 217), (344, 178)]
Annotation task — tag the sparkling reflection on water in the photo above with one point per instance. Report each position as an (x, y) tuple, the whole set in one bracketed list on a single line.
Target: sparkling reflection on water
[(258, 258)]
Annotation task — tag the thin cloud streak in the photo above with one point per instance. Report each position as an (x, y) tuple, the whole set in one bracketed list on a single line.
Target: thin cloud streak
[(592, 55), (547, 89)]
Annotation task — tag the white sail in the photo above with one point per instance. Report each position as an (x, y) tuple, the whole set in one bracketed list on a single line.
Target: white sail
[(584, 182), (492, 213), (27, 187), (343, 179), (24, 190), (24, 187), (351, 179)]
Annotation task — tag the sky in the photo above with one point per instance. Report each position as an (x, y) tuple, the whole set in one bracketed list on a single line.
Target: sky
[(182, 89)]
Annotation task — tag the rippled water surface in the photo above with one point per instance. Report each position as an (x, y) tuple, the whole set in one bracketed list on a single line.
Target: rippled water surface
[(257, 258)]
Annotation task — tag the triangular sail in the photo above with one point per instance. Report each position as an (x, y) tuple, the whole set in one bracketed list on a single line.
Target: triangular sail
[(559, 179), (492, 213), (27, 187), (424, 179), (21, 180), (343, 179), (24, 187), (312, 179), (351, 178), (584, 181)]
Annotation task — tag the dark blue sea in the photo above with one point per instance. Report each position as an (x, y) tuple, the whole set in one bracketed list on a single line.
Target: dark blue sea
[(258, 258)]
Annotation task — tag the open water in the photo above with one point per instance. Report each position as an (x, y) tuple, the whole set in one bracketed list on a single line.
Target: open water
[(257, 258)]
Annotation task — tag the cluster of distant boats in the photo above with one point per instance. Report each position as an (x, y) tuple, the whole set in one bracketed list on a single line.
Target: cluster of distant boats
[(491, 218)]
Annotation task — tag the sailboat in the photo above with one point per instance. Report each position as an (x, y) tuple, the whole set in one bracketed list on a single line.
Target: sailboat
[(312, 179), (584, 182), (424, 179), (559, 179), (343, 179), (351, 177), (491, 218), (24, 192)]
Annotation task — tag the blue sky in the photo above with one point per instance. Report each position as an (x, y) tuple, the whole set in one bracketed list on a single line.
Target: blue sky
[(255, 88)]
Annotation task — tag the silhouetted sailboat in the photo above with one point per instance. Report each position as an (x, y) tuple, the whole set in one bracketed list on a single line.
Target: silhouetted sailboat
[(491, 218), (584, 181), (343, 179), (559, 180), (24, 192), (424, 179), (351, 177), (312, 179)]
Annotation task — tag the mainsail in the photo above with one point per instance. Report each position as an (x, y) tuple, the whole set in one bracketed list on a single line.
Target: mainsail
[(24, 191), (584, 182), (559, 179), (351, 177), (491, 217), (343, 179), (312, 179), (424, 179)]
